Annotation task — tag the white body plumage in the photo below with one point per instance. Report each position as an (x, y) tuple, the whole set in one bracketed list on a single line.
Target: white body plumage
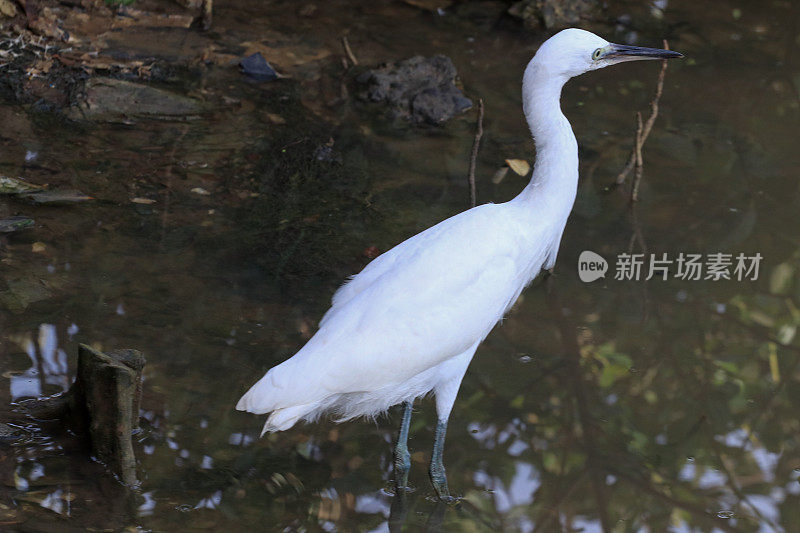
[(410, 322)]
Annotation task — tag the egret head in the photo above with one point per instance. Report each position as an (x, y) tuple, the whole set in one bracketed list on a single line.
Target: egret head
[(572, 52)]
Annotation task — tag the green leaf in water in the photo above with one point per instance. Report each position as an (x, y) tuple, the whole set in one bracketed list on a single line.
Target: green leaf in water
[(11, 224), (518, 402), (611, 373), (727, 366)]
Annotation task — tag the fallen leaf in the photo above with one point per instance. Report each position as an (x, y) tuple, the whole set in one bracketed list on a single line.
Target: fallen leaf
[(276, 119), (144, 201), (519, 166), (16, 186), (91, 62), (8, 225), (8, 8), (55, 197), (38, 247), (200, 190)]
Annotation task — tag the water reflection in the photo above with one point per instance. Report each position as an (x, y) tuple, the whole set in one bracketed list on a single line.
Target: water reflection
[(692, 413), (48, 365), (520, 491)]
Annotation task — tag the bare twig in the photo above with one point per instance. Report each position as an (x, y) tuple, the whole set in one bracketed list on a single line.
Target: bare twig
[(473, 198), (347, 50), (637, 236), (648, 125), (637, 151)]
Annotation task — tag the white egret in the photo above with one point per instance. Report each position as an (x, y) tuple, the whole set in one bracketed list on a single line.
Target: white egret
[(410, 321)]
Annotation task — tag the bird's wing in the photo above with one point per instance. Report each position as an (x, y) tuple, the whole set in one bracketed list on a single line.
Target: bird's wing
[(380, 265), (386, 336), (436, 295)]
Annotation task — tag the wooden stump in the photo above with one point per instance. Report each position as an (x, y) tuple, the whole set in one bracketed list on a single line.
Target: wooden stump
[(103, 405), (109, 389)]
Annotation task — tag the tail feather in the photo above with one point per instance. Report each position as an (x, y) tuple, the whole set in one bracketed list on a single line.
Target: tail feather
[(285, 409), (283, 419), (265, 396), (288, 392)]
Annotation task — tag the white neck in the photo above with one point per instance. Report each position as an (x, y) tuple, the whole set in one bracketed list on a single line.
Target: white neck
[(555, 173)]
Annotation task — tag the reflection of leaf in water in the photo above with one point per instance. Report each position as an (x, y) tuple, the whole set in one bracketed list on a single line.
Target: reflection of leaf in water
[(727, 366), (499, 175), (774, 368), (55, 197), (786, 333), (780, 281), (611, 373)]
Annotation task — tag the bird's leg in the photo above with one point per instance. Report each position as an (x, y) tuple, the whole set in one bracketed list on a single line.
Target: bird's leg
[(438, 476), (402, 458)]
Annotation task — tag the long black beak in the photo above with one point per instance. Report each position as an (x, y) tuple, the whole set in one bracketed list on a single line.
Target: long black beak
[(623, 51)]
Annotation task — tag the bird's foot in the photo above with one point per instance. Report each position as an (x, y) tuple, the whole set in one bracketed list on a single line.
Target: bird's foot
[(402, 465), (447, 499), (439, 480)]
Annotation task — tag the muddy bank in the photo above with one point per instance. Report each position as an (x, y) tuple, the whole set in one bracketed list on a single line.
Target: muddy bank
[(58, 56)]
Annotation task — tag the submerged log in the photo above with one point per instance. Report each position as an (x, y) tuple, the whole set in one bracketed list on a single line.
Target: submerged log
[(102, 404)]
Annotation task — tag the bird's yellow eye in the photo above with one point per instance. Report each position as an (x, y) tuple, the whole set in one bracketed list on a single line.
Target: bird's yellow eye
[(597, 53)]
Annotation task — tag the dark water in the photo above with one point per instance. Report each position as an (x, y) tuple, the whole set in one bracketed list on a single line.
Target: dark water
[(617, 405)]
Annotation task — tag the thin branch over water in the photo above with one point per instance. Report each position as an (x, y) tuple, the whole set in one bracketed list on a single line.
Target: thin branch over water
[(473, 199), (643, 131)]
